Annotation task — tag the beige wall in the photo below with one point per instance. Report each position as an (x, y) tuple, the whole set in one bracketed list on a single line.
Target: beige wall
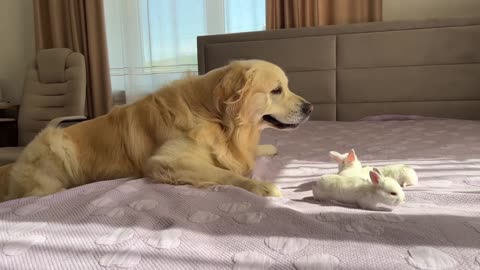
[(426, 9), (17, 45)]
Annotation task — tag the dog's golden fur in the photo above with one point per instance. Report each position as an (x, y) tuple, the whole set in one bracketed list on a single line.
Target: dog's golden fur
[(200, 130)]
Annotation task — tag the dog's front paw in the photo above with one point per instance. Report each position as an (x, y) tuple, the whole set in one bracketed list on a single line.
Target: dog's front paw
[(266, 189), (266, 150)]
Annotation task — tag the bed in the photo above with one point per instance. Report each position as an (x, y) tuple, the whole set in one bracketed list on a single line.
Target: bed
[(421, 108)]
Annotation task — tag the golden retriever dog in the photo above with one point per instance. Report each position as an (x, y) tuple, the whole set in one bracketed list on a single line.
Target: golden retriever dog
[(199, 130)]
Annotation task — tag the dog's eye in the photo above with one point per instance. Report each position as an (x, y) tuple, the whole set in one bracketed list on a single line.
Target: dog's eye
[(277, 91), (393, 193)]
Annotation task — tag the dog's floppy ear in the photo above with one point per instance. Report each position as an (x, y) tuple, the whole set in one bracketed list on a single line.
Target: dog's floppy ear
[(232, 91)]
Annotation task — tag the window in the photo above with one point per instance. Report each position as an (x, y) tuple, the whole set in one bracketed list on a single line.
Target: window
[(152, 42)]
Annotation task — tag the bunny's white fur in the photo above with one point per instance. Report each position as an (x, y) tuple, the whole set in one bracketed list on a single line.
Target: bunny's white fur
[(367, 194), (349, 165)]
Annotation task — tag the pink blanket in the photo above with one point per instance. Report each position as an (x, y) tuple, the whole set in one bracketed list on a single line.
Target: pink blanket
[(135, 224)]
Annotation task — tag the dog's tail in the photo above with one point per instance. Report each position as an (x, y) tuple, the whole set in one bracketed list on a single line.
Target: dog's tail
[(4, 181)]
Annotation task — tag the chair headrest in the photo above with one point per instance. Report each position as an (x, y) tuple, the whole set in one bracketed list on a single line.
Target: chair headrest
[(51, 64)]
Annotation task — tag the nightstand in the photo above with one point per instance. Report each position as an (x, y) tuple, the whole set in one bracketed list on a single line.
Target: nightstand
[(8, 125)]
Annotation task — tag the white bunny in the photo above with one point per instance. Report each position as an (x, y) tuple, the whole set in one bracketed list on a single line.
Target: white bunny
[(349, 165), (366, 193), (405, 175)]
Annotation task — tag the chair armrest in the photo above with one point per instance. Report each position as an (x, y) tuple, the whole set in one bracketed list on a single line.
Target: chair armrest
[(69, 120)]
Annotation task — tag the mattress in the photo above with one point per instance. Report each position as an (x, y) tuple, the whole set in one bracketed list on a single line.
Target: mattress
[(136, 224)]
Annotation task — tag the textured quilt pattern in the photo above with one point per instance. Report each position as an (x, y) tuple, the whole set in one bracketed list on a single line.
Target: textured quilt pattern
[(136, 224)]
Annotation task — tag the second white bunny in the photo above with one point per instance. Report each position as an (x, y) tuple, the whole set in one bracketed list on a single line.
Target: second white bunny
[(349, 165)]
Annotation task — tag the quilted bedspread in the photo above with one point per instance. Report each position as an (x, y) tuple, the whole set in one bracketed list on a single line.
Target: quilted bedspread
[(136, 224)]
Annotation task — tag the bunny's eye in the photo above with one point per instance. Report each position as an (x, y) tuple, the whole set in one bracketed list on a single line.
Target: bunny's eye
[(393, 193)]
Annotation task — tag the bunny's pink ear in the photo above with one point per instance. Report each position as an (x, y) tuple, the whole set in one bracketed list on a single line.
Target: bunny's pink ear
[(351, 156), (374, 177)]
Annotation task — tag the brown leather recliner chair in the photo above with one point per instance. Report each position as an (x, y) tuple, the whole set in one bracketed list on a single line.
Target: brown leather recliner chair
[(53, 94)]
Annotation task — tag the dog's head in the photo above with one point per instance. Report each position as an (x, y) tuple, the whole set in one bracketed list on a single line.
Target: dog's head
[(256, 92)]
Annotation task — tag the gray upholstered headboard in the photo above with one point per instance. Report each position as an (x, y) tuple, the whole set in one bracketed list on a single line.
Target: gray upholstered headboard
[(429, 68)]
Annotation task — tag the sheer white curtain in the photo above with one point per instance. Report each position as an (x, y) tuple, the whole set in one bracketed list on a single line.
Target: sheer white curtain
[(152, 42)]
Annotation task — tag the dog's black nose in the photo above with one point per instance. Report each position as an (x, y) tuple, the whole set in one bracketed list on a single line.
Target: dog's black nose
[(307, 108)]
